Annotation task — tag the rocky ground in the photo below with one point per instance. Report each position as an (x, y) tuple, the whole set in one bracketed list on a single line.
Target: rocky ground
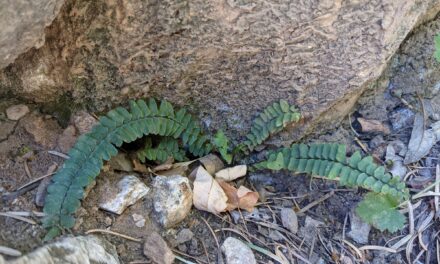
[(297, 220)]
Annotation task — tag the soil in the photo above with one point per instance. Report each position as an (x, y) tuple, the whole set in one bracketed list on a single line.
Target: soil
[(412, 74)]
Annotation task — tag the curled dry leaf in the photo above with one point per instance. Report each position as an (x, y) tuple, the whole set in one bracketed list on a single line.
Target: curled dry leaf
[(421, 140), (239, 198), (207, 193), (139, 167), (232, 173), (370, 125)]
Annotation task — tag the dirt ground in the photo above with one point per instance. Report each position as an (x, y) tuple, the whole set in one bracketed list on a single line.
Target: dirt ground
[(412, 77)]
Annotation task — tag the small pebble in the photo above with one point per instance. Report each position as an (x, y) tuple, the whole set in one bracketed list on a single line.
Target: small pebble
[(139, 220), (184, 235), (289, 220), (16, 112), (237, 252), (157, 249), (108, 221), (359, 229)]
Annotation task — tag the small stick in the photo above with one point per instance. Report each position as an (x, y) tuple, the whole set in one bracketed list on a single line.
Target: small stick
[(371, 247), (114, 233), (21, 218), (437, 187), (59, 154), (9, 251), (27, 170), (314, 203)]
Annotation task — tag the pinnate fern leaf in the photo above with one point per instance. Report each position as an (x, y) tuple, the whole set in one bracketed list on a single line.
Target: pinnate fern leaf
[(272, 120), (221, 142), (380, 211), (100, 144), (329, 160), (167, 147)]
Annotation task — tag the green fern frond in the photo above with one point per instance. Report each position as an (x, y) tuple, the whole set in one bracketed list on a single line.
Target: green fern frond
[(168, 147), (118, 126), (221, 143), (330, 161), (272, 120)]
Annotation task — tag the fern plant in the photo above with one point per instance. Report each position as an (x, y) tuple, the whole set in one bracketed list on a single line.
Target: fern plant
[(87, 156), (330, 161), (272, 120), (181, 129), (167, 147)]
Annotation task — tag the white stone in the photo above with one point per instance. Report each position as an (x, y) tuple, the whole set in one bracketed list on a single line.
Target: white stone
[(237, 252), (131, 189), (172, 199), (81, 249), (289, 220), (359, 230), (139, 220), (16, 112)]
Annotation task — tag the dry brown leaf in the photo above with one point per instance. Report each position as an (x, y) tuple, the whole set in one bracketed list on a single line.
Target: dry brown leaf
[(168, 164), (232, 173), (139, 167), (212, 163), (239, 198), (208, 195), (370, 125), (183, 171)]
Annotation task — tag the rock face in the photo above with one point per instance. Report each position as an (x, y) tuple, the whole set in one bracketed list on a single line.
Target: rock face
[(23, 24), (81, 249), (219, 58)]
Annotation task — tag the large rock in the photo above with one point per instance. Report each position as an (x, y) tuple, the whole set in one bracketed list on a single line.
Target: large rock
[(73, 250), (220, 58), (23, 23)]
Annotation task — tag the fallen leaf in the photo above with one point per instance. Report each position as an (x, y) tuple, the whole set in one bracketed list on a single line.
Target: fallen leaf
[(212, 163), (370, 125), (232, 173), (397, 168), (168, 164), (242, 197), (175, 171), (208, 195), (421, 140), (139, 167)]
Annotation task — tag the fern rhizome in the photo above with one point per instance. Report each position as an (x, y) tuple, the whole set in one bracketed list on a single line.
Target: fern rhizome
[(180, 129)]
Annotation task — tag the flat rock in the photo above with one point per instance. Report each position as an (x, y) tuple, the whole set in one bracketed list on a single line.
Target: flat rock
[(131, 189), (157, 249), (237, 252), (359, 230), (44, 131), (172, 199), (184, 235), (80, 249), (16, 112), (289, 219)]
